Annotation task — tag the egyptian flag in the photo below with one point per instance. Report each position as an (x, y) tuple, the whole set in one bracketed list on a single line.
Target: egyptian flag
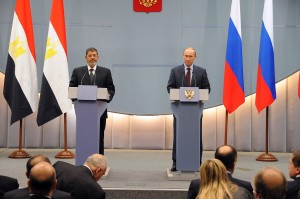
[(20, 83), (54, 99), (265, 86), (233, 90)]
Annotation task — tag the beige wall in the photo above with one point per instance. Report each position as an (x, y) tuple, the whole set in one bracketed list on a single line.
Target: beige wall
[(246, 128)]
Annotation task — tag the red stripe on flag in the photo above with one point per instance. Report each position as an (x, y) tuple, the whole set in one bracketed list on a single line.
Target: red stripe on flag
[(233, 95), (299, 85), (22, 10), (263, 94), (58, 21)]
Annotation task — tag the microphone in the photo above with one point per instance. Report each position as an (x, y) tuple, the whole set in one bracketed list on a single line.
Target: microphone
[(194, 79), (82, 78)]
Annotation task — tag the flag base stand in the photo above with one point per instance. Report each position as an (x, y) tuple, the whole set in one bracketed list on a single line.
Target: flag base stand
[(65, 155), (267, 157), (19, 154)]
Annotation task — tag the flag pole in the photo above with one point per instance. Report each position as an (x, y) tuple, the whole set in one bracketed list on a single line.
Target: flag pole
[(226, 127), (20, 153), (65, 154), (267, 157)]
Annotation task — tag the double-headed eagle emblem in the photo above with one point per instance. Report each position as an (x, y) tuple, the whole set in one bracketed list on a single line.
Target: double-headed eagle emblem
[(148, 3), (189, 94)]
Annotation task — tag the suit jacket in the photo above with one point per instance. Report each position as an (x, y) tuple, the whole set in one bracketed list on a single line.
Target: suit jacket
[(24, 194), (195, 186), (242, 183), (103, 79), (78, 181), (293, 187), (7, 184), (198, 78)]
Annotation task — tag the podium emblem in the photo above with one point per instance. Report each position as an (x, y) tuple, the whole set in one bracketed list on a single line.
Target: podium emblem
[(148, 3), (189, 94)]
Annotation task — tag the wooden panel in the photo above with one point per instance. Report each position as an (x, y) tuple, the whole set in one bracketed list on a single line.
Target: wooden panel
[(120, 131), (147, 132)]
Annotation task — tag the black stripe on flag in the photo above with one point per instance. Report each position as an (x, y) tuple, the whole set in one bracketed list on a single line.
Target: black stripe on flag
[(14, 94), (48, 105)]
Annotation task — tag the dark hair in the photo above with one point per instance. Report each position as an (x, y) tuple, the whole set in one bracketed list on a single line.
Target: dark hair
[(267, 191), (34, 160), (296, 158), (91, 49), (228, 158)]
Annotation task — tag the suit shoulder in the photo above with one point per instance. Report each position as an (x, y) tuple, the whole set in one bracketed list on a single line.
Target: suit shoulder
[(61, 194)]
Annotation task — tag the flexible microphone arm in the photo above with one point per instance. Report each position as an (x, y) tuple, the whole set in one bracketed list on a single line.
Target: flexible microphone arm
[(82, 78)]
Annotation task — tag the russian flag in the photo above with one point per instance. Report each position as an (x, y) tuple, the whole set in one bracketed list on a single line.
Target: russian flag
[(54, 99), (233, 90), (20, 83), (265, 86)]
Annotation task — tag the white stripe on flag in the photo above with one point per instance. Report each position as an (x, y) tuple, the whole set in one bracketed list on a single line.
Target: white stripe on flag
[(56, 70), (25, 66)]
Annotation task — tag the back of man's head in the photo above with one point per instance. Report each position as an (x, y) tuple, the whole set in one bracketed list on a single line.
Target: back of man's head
[(42, 179), (98, 165), (270, 183), (296, 158), (227, 155), (35, 160)]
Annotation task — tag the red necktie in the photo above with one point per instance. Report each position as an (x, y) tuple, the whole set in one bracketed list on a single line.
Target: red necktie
[(188, 77)]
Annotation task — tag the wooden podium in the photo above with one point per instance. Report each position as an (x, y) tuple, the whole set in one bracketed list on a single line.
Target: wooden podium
[(90, 103), (187, 107)]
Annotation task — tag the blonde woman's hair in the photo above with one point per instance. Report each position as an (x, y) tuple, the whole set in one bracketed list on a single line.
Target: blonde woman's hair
[(214, 183)]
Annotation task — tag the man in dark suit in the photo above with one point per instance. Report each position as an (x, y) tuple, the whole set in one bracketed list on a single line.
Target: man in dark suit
[(81, 181), (228, 156), (7, 184), (92, 74), (24, 192), (187, 75), (293, 187)]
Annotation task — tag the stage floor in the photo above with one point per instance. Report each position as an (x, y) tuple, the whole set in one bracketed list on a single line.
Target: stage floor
[(142, 169)]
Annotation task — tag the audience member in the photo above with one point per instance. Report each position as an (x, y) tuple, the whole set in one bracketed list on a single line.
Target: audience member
[(42, 181), (215, 183), (228, 156), (7, 184), (269, 183), (24, 192), (293, 187), (81, 181)]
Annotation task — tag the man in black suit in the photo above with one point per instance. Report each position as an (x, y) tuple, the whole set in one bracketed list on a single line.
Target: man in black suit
[(42, 181), (7, 184), (81, 181), (228, 156), (92, 74), (24, 192), (187, 75), (293, 187)]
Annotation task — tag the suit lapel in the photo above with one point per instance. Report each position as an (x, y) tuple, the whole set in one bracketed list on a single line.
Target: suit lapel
[(183, 82), (85, 76)]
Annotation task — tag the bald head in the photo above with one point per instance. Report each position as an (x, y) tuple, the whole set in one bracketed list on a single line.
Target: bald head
[(270, 183), (34, 160), (98, 164), (42, 179), (227, 155)]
